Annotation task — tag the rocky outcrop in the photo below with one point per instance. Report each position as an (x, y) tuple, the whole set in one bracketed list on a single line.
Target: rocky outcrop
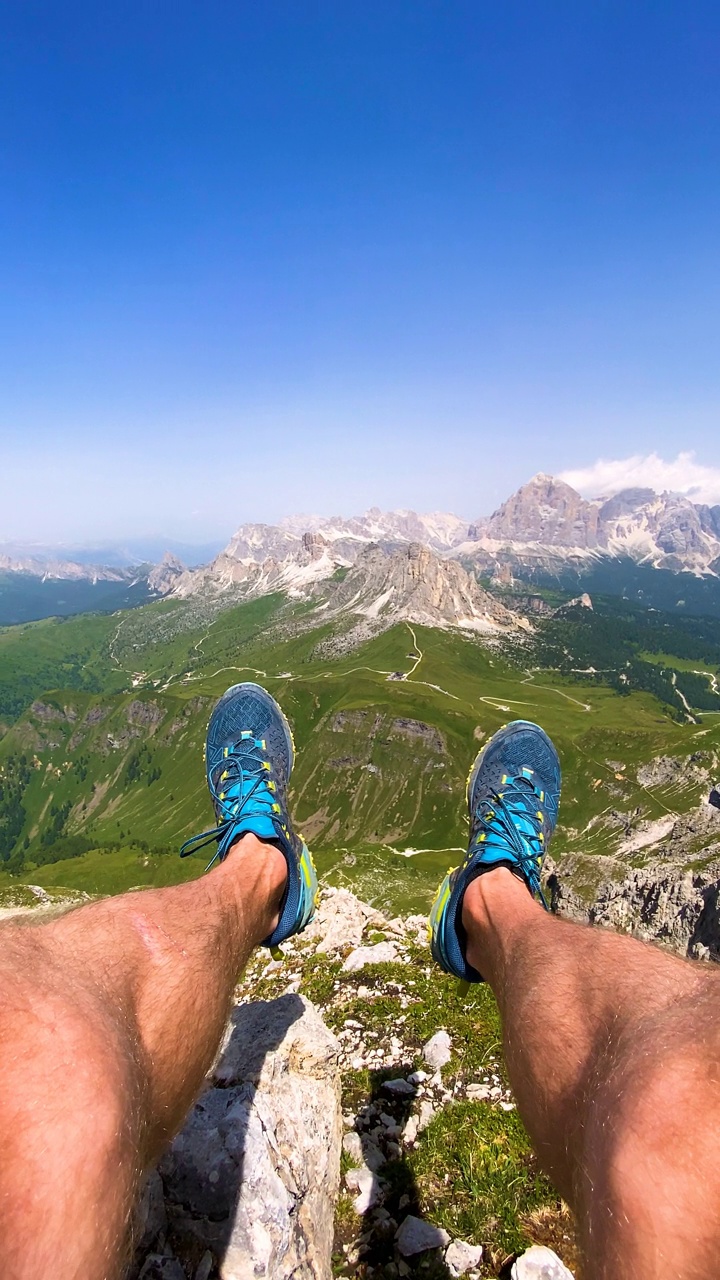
[(247, 1189), (63, 570), (678, 908), (657, 903), (415, 585)]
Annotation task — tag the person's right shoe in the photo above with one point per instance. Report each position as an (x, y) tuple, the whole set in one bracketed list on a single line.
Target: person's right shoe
[(248, 758), (513, 797)]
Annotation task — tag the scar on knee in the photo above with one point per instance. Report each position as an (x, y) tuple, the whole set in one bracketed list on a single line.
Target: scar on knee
[(156, 940)]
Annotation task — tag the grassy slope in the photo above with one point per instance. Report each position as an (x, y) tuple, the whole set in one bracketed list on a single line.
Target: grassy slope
[(366, 776), (66, 653)]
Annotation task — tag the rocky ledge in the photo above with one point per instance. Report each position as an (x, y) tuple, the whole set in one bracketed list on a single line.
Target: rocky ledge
[(337, 1133)]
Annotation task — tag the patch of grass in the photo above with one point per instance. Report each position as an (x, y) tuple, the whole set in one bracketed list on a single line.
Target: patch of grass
[(472, 1169), (477, 1176)]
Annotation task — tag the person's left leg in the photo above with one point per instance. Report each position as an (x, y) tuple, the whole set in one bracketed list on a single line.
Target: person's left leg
[(110, 1017)]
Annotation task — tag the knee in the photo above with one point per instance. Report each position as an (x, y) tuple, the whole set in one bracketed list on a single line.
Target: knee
[(67, 1062), (650, 1198)]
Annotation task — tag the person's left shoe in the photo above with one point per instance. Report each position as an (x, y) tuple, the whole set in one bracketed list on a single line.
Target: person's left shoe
[(249, 757), (513, 796)]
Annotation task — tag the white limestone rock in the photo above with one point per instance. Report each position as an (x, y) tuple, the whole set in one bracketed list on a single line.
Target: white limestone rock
[(254, 1173), (438, 1050), (367, 1186), (352, 1146), (410, 1132), (425, 1115), (340, 921), (380, 953), (461, 1257), (414, 1235), (539, 1263), (478, 1092)]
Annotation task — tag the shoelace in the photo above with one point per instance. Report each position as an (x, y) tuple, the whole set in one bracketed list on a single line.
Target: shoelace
[(498, 816), (239, 768)]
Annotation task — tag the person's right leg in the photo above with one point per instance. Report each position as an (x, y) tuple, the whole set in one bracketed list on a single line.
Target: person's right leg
[(613, 1052), (613, 1046)]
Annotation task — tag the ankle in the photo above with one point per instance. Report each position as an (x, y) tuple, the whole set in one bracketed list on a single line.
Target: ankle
[(491, 904), (259, 870)]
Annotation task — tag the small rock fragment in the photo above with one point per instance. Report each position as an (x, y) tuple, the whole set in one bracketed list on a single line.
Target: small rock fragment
[(478, 1092), (366, 1184), (159, 1267), (371, 1154), (427, 1111), (352, 1146), (381, 953), (414, 1235), (438, 1050), (539, 1263), (204, 1266), (461, 1257), (400, 1087), (410, 1132)]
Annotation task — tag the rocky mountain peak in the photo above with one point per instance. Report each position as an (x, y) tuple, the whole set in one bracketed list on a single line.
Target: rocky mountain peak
[(416, 585), (547, 511), (164, 576)]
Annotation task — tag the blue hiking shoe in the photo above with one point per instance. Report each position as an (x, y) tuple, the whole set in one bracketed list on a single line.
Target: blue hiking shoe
[(513, 796), (249, 757)]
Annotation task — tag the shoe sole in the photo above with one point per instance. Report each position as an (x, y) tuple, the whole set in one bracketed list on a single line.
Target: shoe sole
[(258, 690)]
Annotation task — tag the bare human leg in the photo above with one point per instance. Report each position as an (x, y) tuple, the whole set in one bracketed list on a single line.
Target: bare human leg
[(110, 1017), (613, 1051)]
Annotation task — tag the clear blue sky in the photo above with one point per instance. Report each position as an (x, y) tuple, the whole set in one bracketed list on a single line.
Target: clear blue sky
[(265, 257)]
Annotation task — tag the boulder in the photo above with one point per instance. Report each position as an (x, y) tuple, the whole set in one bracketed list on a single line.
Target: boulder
[(340, 921), (253, 1175)]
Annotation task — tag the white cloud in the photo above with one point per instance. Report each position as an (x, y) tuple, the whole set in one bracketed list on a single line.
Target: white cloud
[(649, 471)]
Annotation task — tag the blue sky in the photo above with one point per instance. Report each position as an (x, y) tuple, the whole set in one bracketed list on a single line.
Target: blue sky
[(277, 257)]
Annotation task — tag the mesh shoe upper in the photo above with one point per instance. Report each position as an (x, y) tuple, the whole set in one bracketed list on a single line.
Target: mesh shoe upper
[(513, 798), (249, 757)]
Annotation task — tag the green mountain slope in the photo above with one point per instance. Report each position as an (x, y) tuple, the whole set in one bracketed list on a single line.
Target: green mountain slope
[(114, 761)]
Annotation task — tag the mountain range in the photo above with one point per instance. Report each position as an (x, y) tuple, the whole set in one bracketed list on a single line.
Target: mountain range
[(546, 527)]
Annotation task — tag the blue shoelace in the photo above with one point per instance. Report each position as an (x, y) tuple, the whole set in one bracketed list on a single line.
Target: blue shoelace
[(241, 770), (497, 818)]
